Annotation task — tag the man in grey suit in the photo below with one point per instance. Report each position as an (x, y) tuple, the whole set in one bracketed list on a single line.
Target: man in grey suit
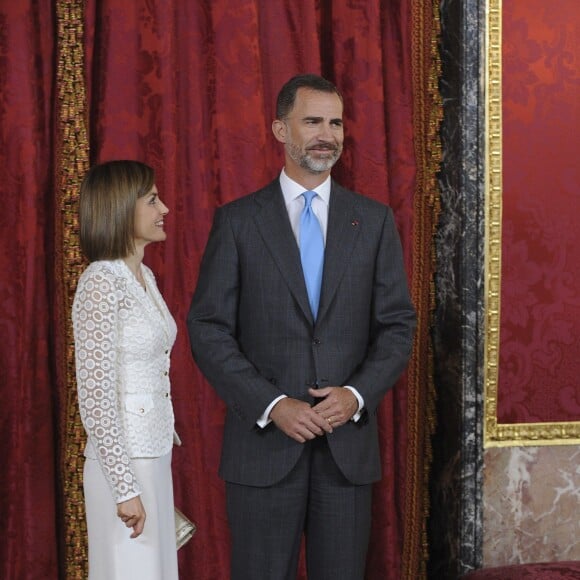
[(302, 321)]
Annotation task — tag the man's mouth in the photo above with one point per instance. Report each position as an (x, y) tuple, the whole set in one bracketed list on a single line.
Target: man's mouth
[(322, 148)]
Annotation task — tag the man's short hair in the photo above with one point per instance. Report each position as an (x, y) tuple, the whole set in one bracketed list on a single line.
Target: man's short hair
[(287, 94)]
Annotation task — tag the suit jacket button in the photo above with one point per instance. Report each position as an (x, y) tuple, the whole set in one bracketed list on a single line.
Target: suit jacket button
[(316, 341)]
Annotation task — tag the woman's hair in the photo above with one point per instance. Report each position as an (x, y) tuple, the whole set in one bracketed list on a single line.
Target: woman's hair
[(108, 196)]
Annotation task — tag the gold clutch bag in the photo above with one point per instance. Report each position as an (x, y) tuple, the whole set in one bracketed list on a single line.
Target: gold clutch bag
[(184, 528)]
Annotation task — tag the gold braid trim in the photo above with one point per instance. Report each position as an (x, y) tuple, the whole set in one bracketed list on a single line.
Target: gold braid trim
[(71, 164), (427, 116)]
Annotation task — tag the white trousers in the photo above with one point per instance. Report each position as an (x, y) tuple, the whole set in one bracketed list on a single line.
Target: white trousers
[(113, 555)]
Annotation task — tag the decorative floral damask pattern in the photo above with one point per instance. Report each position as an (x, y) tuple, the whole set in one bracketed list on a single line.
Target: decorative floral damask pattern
[(540, 298), (190, 88), (28, 411)]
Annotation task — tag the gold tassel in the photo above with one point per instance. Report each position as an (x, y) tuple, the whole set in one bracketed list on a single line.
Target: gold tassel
[(72, 154)]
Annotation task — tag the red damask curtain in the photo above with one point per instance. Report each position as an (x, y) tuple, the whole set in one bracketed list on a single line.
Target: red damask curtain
[(189, 87), (29, 504)]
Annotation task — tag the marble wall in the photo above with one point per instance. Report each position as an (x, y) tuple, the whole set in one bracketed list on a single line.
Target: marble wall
[(531, 505)]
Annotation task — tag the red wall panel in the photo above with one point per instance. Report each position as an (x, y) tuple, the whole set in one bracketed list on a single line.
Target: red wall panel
[(539, 373)]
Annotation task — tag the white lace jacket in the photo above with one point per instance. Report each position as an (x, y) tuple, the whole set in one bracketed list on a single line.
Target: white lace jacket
[(123, 339)]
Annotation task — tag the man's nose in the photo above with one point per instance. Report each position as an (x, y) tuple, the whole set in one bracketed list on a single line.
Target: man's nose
[(325, 132)]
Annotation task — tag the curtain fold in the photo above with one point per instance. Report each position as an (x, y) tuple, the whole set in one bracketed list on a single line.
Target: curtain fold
[(28, 413), (190, 88)]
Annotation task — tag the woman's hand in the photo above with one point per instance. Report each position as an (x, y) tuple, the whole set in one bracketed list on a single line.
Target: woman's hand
[(133, 515)]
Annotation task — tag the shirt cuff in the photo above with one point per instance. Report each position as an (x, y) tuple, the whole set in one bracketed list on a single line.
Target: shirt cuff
[(265, 417), (361, 403)]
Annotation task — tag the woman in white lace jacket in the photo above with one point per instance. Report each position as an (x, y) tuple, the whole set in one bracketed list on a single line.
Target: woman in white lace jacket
[(123, 335)]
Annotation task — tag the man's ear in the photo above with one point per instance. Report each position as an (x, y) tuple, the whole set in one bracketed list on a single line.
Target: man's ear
[(279, 129)]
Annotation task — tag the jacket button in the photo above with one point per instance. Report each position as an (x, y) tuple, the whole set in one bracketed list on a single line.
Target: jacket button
[(316, 341), (141, 410), (165, 373)]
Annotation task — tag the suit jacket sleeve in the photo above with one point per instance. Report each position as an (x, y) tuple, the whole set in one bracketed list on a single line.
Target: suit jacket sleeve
[(392, 321), (212, 326)]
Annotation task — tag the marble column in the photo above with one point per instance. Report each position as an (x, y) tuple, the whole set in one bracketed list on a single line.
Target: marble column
[(455, 531)]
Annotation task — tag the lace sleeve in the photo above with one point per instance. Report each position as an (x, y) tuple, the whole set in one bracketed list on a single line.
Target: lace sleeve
[(95, 317)]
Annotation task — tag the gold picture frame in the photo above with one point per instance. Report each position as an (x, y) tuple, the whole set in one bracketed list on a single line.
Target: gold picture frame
[(502, 434)]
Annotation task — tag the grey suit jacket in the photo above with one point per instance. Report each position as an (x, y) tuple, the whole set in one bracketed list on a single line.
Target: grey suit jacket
[(253, 336)]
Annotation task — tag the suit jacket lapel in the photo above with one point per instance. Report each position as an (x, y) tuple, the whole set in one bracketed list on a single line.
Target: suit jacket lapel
[(274, 227), (344, 223)]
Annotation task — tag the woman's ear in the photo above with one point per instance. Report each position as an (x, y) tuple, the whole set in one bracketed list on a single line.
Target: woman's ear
[(279, 130)]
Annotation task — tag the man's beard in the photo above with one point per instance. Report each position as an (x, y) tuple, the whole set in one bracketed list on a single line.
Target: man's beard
[(306, 161)]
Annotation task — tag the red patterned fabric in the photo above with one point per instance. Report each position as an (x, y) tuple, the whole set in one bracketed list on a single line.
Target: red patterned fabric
[(188, 87), (545, 571), (540, 297), (28, 419), (194, 96)]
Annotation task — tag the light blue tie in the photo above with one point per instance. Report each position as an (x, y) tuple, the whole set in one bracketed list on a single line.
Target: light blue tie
[(311, 251)]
